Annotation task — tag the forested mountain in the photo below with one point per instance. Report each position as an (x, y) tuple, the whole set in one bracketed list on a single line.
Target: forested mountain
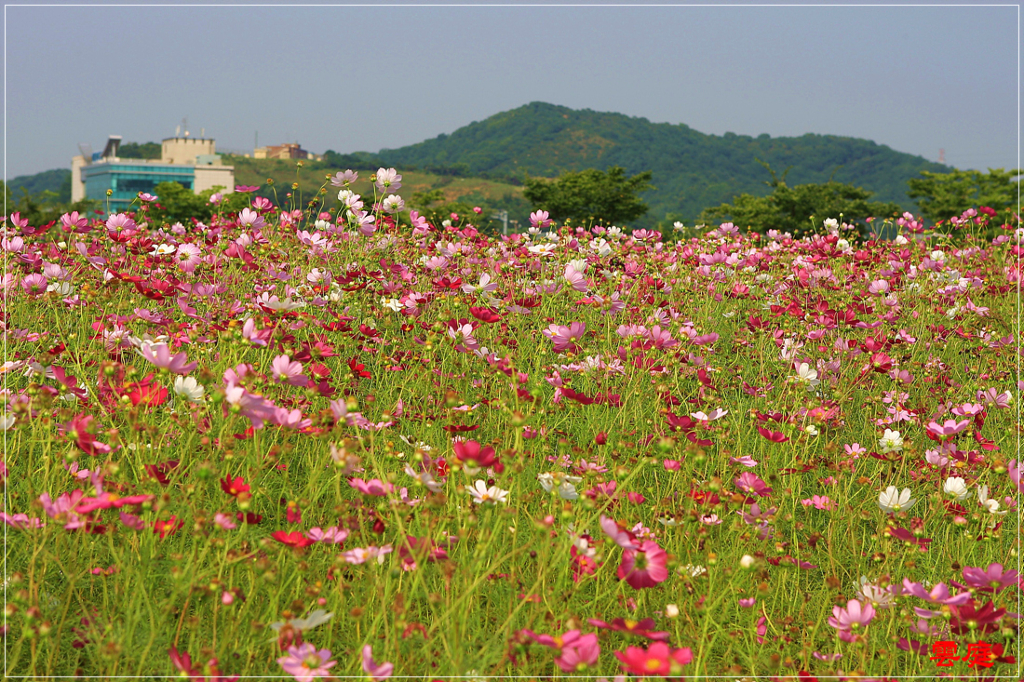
[(692, 170), (57, 180)]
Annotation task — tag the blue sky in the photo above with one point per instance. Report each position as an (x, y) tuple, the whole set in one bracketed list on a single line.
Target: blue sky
[(353, 78)]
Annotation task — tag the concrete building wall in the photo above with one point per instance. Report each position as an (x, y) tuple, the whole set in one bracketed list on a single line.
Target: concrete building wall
[(208, 177), (77, 184), (184, 150)]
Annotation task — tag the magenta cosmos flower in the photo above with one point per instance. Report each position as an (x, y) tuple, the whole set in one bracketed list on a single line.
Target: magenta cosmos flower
[(305, 663), (644, 567), (993, 578)]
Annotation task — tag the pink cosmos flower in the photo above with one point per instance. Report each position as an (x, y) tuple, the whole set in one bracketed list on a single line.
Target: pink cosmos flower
[(333, 535), (619, 535), (644, 567), (939, 594), (661, 338), (287, 371), (751, 483), (35, 284), (1014, 473), (375, 486), (579, 654), (819, 502), (563, 337), (948, 428), (188, 257), (250, 219), (20, 520), (852, 618), (576, 280), (121, 224), (160, 355), (305, 663), (73, 222), (539, 219), (659, 659), (376, 671), (994, 578), (255, 407)]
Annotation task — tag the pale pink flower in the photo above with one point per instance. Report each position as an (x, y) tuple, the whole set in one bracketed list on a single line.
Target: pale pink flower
[(287, 371)]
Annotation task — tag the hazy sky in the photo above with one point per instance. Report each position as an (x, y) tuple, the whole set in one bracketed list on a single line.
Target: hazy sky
[(353, 78)]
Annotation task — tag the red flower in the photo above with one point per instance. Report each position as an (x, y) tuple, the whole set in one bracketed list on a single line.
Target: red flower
[(293, 539), (773, 436), (471, 450), (659, 659), (969, 617), (234, 487), (358, 369), (146, 392), (642, 628), (82, 429), (485, 314), (161, 470), (168, 527), (460, 428)]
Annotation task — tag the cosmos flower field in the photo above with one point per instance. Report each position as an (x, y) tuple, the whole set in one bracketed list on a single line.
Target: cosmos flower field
[(309, 443)]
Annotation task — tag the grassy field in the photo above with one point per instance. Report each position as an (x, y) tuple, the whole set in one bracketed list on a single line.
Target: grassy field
[(421, 451)]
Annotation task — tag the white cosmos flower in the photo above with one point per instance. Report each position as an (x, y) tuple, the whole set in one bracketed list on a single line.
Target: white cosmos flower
[(892, 500), (891, 441), (391, 304), (956, 486), (806, 375), (564, 483), (482, 494), (189, 389), (542, 249), (879, 597), (7, 421), (989, 504)]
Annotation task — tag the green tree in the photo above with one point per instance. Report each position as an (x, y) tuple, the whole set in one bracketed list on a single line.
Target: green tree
[(799, 209), (942, 196), (606, 197), (180, 204), (137, 150), (44, 207)]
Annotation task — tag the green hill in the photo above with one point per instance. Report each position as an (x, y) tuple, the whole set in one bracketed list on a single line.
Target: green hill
[(57, 180), (485, 162), (692, 170)]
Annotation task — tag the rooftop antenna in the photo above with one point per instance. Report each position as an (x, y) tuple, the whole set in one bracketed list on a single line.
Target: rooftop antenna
[(184, 125), (177, 131), (202, 133), (942, 156)]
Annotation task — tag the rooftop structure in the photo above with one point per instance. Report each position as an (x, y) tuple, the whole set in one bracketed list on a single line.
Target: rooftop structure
[(189, 161)]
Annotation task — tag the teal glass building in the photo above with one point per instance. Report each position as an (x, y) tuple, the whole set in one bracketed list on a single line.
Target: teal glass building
[(126, 179)]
